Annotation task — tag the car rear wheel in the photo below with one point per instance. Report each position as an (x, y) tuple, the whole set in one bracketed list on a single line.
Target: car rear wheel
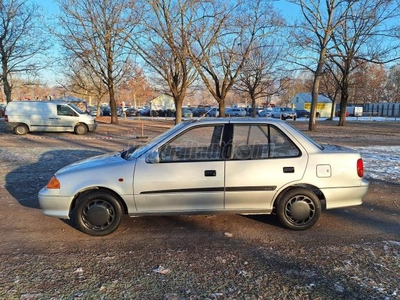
[(21, 129), (81, 129), (298, 209), (98, 213)]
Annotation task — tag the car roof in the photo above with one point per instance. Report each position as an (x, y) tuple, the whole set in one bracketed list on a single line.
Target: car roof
[(294, 133), (243, 120)]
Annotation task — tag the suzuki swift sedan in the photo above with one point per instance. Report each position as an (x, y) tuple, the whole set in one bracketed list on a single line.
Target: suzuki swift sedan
[(210, 166)]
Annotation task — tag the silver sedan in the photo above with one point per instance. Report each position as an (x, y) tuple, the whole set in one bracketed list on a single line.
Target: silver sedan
[(210, 166)]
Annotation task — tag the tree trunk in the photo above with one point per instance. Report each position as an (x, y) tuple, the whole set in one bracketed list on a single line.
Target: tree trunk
[(6, 83), (221, 105), (178, 112), (113, 106), (343, 100), (314, 101), (253, 107)]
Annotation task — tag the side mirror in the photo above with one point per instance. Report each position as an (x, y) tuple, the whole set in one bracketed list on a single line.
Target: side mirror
[(153, 157)]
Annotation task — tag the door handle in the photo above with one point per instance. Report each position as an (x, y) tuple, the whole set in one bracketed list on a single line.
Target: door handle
[(210, 173), (288, 169)]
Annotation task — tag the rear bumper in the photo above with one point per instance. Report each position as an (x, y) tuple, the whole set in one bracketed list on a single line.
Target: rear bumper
[(343, 197)]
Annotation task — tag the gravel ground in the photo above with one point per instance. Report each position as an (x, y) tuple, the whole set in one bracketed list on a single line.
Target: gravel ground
[(41, 259)]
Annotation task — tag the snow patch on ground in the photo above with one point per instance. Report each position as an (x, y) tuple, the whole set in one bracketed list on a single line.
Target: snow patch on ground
[(381, 162)]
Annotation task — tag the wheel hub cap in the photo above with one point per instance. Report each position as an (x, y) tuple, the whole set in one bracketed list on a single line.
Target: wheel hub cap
[(98, 215)]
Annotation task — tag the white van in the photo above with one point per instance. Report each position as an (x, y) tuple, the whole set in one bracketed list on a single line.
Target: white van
[(56, 116)]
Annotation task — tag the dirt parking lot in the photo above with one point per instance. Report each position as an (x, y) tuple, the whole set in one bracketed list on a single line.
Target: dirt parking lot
[(351, 253)]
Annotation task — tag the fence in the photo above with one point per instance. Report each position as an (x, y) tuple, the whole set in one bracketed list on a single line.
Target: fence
[(382, 109)]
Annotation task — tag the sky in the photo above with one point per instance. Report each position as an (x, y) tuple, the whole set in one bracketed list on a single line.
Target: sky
[(287, 9)]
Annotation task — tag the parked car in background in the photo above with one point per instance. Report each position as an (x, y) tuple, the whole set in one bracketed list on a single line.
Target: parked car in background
[(92, 110), (145, 111), (210, 166), (302, 113), (283, 113), (105, 111), (131, 112), (2, 110), (235, 112), (201, 111), (187, 113), (266, 112), (337, 113), (213, 112)]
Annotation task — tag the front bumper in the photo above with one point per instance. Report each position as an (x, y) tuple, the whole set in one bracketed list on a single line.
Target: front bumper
[(54, 205)]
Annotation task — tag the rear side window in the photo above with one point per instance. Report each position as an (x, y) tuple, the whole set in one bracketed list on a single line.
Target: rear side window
[(261, 142)]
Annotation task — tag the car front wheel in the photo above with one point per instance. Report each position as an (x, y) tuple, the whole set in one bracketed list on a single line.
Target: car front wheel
[(298, 209), (98, 213), (81, 129)]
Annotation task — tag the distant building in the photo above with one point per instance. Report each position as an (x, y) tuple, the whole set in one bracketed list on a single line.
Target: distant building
[(303, 101), (162, 102)]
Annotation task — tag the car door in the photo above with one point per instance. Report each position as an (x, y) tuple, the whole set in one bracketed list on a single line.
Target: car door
[(188, 176), (262, 160), (65, 119)]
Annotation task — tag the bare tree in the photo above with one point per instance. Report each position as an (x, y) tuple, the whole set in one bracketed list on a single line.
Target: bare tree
[(261, 76), (162, 44), (294, 85), (330, 86), (137, 88), (22, 41), (392, 93), (95, 33), (83, 81), (224, 34), (312, 39), (363, 36)]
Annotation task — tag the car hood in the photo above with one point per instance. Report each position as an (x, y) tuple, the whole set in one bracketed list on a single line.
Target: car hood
[(92, 163)]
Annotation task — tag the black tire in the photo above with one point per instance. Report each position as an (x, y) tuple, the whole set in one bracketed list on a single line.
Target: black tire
[(21, 129), (298, 209), (81, 129), (98, 213)]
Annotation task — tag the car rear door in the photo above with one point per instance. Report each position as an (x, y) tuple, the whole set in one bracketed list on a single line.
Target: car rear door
[(189, 176), (262, 160)]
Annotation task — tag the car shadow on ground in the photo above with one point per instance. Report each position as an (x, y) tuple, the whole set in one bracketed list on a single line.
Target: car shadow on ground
[(24, 182)]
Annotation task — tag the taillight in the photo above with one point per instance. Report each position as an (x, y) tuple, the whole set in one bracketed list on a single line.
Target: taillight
[(360, 167), (6, 118)]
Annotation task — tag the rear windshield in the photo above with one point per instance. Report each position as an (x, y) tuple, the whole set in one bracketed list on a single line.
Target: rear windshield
[(307, 137)]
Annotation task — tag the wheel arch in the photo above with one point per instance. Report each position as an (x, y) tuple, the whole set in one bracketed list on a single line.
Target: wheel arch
[(99, 189), (81, 124), (310, 187), (21, 124)]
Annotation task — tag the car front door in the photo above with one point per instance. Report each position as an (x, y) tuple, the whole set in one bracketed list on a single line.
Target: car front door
[(65, 119), (188, 175), (262, 160)]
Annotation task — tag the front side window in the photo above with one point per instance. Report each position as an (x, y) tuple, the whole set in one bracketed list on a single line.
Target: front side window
[(202, 143), (261, 142), (65, 110)]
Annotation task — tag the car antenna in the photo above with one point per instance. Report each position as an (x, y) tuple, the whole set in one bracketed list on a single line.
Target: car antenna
[(204, 115)]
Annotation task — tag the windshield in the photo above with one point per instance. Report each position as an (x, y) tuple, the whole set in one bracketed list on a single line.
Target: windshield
[(136, 151), (78, 110)]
